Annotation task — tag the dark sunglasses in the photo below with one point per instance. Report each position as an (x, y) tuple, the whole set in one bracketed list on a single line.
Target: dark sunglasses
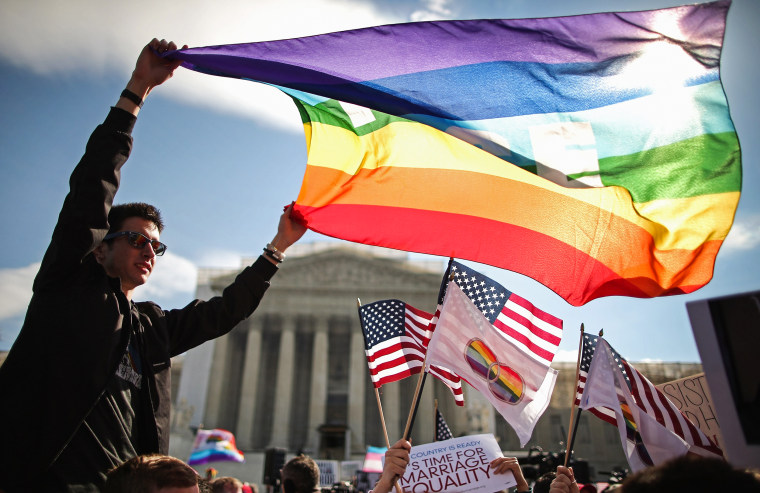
[(139, 240)]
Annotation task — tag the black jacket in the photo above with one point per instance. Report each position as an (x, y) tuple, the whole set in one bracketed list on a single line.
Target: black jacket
[(72, 339)]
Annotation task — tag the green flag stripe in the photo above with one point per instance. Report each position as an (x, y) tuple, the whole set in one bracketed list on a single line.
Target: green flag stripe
[(707, 164)]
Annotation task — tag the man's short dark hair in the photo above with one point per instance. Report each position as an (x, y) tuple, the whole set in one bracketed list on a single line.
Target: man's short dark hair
[(691, 473), (122, 212), (149, 473), (544, 482), (300, 475)]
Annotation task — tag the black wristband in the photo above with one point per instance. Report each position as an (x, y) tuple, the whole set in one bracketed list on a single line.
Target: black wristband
[(271, 254), (126, 93)]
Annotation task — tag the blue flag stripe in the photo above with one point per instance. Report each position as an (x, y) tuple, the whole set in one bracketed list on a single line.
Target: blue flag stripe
[(643, 127), (551, 88)]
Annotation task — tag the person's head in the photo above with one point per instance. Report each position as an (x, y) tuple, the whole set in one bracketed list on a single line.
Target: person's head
[(544, 482), (152, 474), (226, 484), (300, 475), (691, 473), (130, 248), (121, 212)]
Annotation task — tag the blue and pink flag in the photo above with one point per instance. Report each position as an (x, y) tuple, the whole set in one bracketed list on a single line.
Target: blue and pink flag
[(215, 445), (594, 153), (373, 460)]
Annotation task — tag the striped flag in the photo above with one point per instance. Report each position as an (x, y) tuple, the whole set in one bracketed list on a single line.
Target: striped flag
[(587, 354), (597, 149), (374, 458), (534, 331), (652, 428), (442, 430), (396, 336), (517, 385)]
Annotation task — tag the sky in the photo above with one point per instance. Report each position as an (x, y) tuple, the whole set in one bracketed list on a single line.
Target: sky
[(221, 157)]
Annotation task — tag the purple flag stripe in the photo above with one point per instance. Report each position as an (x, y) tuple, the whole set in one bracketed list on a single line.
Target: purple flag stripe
[(406, 48)]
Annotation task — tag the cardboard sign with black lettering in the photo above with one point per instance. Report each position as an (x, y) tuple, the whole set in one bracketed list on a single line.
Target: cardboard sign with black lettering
[(456, 466), (692, 397)]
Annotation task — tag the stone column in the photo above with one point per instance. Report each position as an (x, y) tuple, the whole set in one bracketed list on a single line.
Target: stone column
[(357, 377), (284, 387), (248, 390), (216, 386), (318, 394), (391, 401), (427, 404)]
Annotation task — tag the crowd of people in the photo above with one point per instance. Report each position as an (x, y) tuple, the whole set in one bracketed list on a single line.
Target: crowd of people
[(92, 367), (164, 474)]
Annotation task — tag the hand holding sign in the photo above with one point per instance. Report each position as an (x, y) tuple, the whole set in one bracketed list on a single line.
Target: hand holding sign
[(396, 461), (501, 465), (564, 482), (458, 465)]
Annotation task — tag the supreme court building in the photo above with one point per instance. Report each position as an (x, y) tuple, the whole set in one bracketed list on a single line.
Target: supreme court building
[(294, 376)]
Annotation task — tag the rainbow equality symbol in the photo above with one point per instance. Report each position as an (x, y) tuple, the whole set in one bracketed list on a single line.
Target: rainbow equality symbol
[(504, 383), (633, 435)]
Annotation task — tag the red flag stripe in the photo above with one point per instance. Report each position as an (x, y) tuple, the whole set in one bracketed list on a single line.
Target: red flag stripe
[(553, 337), (546, 317), (647, 400), (533, 328), (522, 339), (679, 424), (404, 344), (400, 375), (388, 365)]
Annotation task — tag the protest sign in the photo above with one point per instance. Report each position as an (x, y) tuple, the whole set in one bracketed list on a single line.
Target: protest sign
[(455, 466), (692, 397)]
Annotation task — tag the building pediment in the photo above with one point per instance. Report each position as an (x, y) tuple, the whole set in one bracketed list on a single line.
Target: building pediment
[(346, 267), (350, 269)]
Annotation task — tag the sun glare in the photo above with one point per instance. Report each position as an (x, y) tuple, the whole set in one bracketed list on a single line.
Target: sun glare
[(665, 63)]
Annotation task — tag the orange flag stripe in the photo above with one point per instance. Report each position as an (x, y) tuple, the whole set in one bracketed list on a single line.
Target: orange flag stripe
[(602, 240)]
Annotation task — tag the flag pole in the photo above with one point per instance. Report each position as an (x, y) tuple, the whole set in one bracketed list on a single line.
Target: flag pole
[(379, 403), (415, 402), (571, 429), (423, 374), (435, 421), (385, 432)]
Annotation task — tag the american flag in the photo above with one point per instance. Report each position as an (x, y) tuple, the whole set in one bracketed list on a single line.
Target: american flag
[(587, 353), (442, 430), (396, 336), (532, 330), (647, 398)]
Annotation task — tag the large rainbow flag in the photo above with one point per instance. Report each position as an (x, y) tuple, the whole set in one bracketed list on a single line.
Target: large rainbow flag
[(593, 153)]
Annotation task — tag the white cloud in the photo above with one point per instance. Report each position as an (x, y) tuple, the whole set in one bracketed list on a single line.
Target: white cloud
[(89, 37), (172, 276), (221, 259), (16, 289), (744, 235), (566, 356), (434, 10)]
